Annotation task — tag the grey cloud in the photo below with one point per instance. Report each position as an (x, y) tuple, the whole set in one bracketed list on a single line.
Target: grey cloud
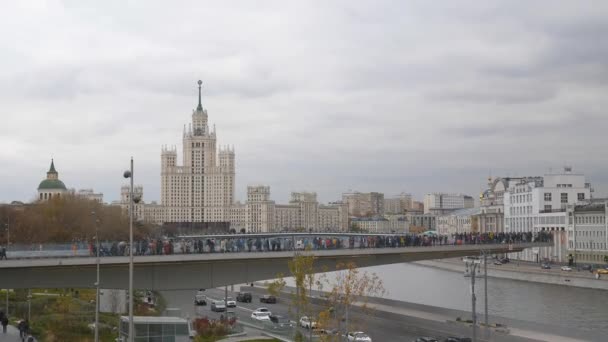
[(326, 97)]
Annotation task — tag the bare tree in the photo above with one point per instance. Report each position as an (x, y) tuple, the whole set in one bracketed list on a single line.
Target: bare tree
[(349, 287)]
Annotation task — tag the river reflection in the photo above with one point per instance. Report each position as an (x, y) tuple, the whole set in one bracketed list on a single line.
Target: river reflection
[(565, 306)]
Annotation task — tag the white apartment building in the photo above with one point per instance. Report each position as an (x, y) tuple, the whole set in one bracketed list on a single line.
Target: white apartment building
[(368, 204), (442, 203), (392, 224), (90, 195), (539, 203), (459, 221), (304, 213), (260, 210), (587, 231), (398, 204)]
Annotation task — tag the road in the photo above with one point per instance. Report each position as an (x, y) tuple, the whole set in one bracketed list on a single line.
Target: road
[(401, 328)]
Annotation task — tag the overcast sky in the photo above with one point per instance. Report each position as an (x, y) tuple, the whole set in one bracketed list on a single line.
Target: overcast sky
[(324, 96)]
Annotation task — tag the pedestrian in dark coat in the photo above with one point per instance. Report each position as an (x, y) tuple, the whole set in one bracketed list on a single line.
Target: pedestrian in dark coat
[(4, 321)]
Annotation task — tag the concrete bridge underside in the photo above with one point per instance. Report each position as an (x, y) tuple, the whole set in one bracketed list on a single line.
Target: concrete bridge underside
[(193, 271)]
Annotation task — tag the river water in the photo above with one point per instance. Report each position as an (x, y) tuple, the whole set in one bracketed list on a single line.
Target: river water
[(572, 307)]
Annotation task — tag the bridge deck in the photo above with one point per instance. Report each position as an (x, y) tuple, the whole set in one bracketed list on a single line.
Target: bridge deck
[(188, 271)]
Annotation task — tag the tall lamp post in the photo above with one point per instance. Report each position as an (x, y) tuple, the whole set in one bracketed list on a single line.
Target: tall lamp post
[(129, 174), (95, 221), (472, 266), (8, 243)]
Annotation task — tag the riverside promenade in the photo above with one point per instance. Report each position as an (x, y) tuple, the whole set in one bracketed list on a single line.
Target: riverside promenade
[(527, 271), (394, 318)]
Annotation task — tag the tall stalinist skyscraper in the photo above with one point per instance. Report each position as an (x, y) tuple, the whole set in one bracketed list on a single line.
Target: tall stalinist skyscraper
[(202, 189)]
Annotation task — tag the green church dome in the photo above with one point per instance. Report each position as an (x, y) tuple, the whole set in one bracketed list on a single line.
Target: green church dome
[(52, 181), (51, 184)]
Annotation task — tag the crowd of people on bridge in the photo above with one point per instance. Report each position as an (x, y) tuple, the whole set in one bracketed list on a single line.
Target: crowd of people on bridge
[(242, 243)]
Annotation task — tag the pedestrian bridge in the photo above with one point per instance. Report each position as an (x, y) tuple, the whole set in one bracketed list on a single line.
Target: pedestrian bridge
[(209, 270)]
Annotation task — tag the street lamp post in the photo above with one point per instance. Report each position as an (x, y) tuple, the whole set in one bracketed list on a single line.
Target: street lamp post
[(29, 305), (472, 265), (8, 243), (129, 174), (96, 282)]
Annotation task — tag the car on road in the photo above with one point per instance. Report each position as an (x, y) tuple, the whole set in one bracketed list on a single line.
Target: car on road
[(545, 266), (307, 323), (566, 268), (230, 302), (497, 262), (268, 299), (280, 322), (200, 299), (457, 339), (218, 306), (504, 260), (244, 297), (586, 267), (260, 316), (601, 271), (358, 336), (263, 310), (426, 339)]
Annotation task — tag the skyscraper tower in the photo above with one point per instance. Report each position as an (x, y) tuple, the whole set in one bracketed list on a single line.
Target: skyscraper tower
[(202, 189)]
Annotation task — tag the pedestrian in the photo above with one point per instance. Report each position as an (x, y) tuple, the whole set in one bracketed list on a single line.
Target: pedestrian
[(21, 327), (26, 330), (4, 322)]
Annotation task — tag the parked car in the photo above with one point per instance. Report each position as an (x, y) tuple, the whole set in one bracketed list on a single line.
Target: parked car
[(504, 260), (566, 268), (545, 266), (244, 297), (200, 299), (586, 267), (268, 299), (307, 323), (230, 302), (218, 306), (260, 316), (358, 336), (426, 339), (457, 339), (497, 262)]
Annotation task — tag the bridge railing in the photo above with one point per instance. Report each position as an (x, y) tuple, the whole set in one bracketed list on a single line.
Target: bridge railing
[(251, 243)]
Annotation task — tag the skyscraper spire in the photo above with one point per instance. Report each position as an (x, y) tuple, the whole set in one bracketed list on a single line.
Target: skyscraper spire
[(200, 106)]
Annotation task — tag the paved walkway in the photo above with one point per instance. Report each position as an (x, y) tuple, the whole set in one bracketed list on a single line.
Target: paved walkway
[(12, 335)]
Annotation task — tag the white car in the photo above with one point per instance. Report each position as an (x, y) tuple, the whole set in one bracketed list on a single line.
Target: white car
[(305, 322), (358, 336), (263, 310), (260, 316), (231, 303), (566, 268)]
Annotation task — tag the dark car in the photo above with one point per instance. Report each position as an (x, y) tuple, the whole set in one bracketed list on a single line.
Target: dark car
[(280, 320), (545, 266), (457, 339), (497, 263), (426, 339), (587, 267), (268, 299), (504, 260), (244, 297)]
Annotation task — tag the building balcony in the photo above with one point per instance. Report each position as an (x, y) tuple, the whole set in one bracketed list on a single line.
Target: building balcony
[(563, 210)]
